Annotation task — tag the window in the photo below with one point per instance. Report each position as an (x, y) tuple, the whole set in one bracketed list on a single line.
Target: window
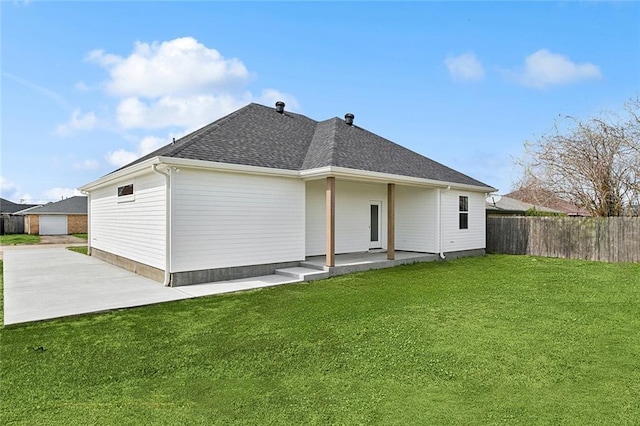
[(125, 190), (464, 212)]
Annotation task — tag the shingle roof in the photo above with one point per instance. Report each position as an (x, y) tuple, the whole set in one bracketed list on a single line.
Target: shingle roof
[(506, 204), (7, 206), (71, 205), (256, 135)]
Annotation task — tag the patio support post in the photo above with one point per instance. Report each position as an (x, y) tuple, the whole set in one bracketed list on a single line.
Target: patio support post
[(391, 221), (330, 206)]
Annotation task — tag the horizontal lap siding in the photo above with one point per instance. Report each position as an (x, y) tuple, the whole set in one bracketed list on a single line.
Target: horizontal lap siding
[(416, 219), (455, 239), (134, 229), (315, 218), (352, 216), (223, 220)]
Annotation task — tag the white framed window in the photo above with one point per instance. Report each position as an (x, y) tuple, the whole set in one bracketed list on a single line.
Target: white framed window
[(463, 212), (126, 193)]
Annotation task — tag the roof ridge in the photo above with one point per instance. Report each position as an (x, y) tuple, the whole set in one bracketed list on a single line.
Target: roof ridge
[(333, 144)]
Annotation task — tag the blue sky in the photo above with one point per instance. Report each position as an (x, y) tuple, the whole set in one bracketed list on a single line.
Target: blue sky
[(88, 86)]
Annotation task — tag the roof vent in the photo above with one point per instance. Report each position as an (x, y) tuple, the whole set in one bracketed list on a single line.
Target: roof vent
[(280, 107), (348, 118)]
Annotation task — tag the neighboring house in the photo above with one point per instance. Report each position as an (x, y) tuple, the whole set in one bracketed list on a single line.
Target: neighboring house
[(68, 216), (9, 207), (262, 189), (9, 223), (549, 201), (501, 205)]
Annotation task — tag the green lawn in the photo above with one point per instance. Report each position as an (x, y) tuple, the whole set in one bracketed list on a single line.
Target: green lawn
[(83, 236), (14, 239), (492, 340), (81, 249)]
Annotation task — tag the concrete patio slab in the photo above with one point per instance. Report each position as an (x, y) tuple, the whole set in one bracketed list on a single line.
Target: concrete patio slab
[(47, 283)]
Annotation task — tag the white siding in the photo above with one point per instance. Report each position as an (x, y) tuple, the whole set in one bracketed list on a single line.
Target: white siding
[(225, 219), (134, 229), (315, 218), (352, 216), (416, 219), (455, 239)]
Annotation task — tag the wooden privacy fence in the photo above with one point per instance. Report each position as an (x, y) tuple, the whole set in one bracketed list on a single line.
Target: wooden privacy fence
[(11, 224), (608, 239)]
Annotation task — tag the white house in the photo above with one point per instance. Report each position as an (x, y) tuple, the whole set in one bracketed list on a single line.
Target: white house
[(263, 188)]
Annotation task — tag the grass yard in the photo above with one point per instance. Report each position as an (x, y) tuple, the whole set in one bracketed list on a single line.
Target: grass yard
[(15, 239), (81, 249), (492, 340), (84, 236)]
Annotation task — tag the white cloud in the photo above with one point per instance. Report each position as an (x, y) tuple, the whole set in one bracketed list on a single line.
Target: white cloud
[(121, 157), (87, 165), (12, 191), (180, 85), (464, 67), (6, 185), (146, 145), (58, 193), (544, 68), (169, 111), (78, 121), (176, 67)]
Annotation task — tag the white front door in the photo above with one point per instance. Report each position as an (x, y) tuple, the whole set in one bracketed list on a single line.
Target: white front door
[(53, 224), (375, 225)]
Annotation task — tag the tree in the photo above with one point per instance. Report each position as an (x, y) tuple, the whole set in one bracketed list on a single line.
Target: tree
[(593, 163)]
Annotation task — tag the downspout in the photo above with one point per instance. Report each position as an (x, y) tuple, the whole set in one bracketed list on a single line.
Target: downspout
[(167, 226), (440, 251)]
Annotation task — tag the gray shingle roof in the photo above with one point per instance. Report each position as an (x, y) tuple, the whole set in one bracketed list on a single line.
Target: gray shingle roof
[(256, 135), (10, 207), (71, 205)]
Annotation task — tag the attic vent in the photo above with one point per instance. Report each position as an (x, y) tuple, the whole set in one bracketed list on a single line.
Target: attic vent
[(280, 107), (348, 118)]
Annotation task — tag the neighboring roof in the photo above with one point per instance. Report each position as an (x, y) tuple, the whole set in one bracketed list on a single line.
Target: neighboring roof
[(256, 135), (71, 205), (549, 201), (7, 206), (507, 205)]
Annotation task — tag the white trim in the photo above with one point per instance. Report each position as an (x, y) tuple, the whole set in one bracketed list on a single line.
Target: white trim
[(201, 164), (385, 178), (376, 244), (308, 174)]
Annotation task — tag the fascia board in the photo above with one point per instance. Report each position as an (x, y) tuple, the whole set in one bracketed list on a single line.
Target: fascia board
[(387, 178), (129, 172), (239, 168)]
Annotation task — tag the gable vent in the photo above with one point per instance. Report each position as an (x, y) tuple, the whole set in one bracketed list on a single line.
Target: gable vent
[(280, 107), (348, 118)]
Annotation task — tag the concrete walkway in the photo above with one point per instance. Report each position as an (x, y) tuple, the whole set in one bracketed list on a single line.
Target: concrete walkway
[(51, 282)]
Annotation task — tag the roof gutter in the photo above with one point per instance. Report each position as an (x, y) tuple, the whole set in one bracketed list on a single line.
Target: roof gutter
[(120, 174), (167, 227)]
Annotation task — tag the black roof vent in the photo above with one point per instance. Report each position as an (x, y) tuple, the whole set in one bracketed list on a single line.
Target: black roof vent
[(348, 118), (280, 107)]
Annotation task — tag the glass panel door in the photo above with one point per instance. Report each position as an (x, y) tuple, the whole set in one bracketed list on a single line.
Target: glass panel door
[(374, 225)]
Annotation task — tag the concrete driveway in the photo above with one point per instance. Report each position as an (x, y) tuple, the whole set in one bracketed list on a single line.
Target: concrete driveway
[(44, 282)]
